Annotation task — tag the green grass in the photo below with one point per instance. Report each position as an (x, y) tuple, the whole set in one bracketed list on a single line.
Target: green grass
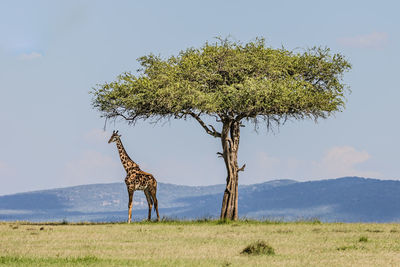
[(20, 260), (202, 242)]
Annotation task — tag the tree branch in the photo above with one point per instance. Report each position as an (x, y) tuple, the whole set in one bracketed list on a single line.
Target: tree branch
[(211, 131), (220, 155), (240, 117), (116, 113), (242, 168)]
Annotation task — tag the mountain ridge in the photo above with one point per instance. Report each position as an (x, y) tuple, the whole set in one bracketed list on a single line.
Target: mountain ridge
[(347, 199)]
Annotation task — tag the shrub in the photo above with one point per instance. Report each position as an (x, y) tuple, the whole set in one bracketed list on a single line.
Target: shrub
[(259, 248), (363, 239)]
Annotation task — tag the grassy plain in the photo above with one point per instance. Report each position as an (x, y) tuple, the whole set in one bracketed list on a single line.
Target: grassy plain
[(198, 243)]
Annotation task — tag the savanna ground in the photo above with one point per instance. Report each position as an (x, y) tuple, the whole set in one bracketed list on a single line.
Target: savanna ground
[(198, 243)]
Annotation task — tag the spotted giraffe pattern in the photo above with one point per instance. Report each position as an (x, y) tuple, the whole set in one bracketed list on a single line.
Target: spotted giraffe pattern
[(136, 179), (126, 161), (140, 180)]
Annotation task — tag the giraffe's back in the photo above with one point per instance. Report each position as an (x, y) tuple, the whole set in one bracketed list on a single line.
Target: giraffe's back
[(140, 180)]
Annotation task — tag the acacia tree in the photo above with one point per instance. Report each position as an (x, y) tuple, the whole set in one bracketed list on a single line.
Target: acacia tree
[(230, 82)]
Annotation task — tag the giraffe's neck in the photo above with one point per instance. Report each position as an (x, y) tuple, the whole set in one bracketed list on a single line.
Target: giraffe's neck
[(125, 159)]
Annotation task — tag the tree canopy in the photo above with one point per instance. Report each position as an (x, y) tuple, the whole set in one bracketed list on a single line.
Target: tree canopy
[(229, 80)]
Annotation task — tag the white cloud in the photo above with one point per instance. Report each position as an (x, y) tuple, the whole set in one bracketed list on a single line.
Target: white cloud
[(342, 161), (372, 40), (93, 167), (30, 56)]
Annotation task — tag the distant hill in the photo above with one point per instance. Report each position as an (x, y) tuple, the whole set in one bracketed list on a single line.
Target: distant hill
[(349, 199)]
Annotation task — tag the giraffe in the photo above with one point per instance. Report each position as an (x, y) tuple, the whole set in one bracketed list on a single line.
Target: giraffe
[(136, 179)]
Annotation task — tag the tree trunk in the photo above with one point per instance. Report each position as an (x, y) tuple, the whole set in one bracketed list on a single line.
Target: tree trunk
[(230, 143)]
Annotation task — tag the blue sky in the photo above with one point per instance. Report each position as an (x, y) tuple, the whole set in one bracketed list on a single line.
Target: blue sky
[(53, 52)]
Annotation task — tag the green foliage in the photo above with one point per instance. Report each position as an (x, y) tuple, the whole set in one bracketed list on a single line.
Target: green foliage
[(363, 239), (259, 248), (229, 80)]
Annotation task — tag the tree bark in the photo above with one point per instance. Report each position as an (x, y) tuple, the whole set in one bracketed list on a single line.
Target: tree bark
[(230, 136)]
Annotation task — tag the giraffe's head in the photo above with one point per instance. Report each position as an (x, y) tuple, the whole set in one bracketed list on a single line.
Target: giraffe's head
[(114, 137)]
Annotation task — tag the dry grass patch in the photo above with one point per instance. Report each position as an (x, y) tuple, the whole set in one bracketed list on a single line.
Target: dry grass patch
[(197, 243)]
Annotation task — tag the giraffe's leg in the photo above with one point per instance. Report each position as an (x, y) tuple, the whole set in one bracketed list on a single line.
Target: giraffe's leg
[(149, 202), (130, 192), (153, 192)]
